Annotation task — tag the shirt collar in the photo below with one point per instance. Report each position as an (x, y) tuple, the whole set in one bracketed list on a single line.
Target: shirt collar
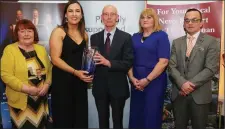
[(195, 35), (112, 32)]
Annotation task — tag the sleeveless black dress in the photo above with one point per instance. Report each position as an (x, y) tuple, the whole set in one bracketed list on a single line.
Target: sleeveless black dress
[(69, 93)]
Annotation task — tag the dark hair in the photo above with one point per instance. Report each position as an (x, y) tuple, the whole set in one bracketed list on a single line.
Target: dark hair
[(81, 24), (25, 24), (194, 9)]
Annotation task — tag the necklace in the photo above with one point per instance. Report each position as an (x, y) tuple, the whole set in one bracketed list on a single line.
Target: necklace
[(143, 38)]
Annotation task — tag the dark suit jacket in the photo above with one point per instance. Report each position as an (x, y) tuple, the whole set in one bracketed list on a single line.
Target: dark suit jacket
[(198, 69), (113, 81)]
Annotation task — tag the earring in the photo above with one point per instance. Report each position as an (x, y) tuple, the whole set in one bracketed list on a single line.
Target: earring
[(66, 19)]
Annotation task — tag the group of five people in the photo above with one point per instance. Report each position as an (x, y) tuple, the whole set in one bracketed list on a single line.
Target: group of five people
[(144, 57)]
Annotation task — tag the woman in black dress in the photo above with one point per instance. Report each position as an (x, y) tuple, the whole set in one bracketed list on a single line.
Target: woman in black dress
[(69, 82)]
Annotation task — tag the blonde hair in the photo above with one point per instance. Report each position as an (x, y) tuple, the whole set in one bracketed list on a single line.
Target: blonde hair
[(150, 12)]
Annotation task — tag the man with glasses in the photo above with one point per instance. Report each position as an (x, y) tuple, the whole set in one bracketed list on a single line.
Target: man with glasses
[(193, 63), (113, 59)]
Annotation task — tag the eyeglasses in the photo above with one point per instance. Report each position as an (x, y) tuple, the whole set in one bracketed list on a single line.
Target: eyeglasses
[(109, 14), (192, 20)]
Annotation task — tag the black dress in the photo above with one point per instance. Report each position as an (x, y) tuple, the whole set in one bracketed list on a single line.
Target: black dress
[(69, 93)]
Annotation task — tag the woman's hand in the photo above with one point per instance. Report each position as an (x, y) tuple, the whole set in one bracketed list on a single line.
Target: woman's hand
[(143, 83), (135, 82), (83, 75), (43, 89), (31, 90)]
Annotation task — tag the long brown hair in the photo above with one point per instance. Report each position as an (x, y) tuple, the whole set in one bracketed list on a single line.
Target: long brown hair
[(81, 24)]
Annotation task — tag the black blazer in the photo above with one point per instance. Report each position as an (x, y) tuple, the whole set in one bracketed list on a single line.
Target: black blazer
[(113, 81)]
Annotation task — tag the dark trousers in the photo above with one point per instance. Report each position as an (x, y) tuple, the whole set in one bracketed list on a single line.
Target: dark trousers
[(185, 108), (117, 105)]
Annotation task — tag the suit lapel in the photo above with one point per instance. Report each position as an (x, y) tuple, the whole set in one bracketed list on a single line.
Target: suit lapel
[(114, 44), (197, 45), (183, 49), (101, 43)]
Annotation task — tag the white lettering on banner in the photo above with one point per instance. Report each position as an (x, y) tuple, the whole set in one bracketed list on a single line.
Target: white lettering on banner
[(176, 11), (164, 21), (162, 12), (205, 20), (183, 11), (206, 10), (208, 30)]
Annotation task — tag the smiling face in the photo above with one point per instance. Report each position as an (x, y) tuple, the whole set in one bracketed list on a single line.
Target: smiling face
[(73, 13), (192, 22), (25, 32), (26, 36)]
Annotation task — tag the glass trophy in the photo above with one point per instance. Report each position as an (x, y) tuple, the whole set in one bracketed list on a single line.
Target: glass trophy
[(88, 63)]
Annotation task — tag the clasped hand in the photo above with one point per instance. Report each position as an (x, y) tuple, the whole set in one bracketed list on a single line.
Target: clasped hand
[(36, 91), (187, 88), (139, 84)]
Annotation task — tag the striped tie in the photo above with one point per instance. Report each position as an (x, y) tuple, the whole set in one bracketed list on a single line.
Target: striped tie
[(189, 45)]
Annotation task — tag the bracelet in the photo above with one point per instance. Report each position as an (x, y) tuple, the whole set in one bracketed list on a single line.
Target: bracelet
[(74, 72), (148, 79)]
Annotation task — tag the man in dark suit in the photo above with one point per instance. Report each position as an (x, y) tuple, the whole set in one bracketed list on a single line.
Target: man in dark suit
[(193, 63), (114, 59)]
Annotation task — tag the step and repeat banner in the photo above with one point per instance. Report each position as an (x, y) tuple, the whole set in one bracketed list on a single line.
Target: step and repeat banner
[(171, 17), (50, 15)]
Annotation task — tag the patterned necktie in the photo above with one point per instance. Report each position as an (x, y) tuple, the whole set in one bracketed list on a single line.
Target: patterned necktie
[(107, 44), (189, 45)]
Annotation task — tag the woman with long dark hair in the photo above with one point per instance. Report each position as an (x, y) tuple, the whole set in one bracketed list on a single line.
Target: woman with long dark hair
[(69, 82)]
